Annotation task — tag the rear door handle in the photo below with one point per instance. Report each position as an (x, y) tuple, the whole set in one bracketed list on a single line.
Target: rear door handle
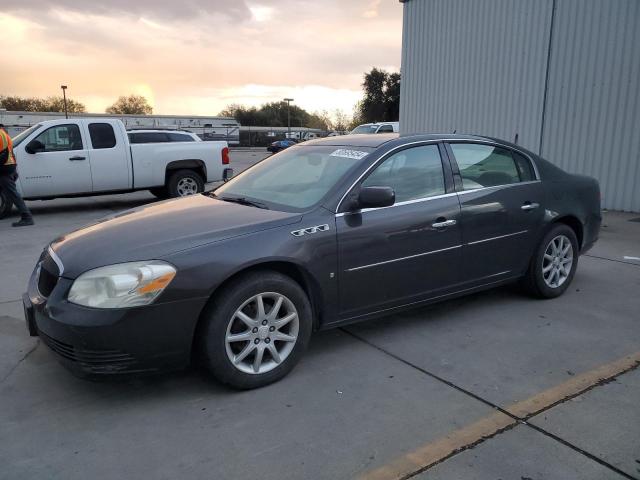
[(75, 159), (444, 224), (530, 206)]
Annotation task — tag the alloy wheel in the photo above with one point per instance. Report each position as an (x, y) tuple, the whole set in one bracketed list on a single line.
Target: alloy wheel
[(187, 186), (557, 261), (262, 333)]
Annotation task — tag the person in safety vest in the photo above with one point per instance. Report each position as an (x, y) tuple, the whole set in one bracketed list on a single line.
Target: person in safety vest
[(8, 177)]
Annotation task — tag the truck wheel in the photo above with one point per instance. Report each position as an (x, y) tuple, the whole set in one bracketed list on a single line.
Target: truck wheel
[(183, 183), (159, 192), (5, 206), (554, 263), (256, 330)]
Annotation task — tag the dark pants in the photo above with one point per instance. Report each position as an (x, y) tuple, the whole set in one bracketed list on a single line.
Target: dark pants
[(8, 187)]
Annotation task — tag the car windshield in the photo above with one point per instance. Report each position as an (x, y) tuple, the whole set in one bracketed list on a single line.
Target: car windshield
[(364, 129), (18, 139), (295, 179)]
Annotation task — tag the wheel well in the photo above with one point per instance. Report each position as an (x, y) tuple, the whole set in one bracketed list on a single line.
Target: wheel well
[(197, 166), (291, 270), (574, 224)]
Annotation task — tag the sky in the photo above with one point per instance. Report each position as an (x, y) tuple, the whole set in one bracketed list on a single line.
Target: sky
[(194, 57)]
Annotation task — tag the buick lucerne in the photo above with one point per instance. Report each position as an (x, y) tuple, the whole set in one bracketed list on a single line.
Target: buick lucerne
[(329, 232)]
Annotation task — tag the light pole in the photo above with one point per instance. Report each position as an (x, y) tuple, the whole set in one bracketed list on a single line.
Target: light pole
[(288, 100), (64, 96)]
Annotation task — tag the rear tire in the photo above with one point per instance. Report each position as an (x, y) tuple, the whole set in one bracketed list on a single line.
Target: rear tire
[(554, 263), (245, 346), (184, 183), (5, 206)]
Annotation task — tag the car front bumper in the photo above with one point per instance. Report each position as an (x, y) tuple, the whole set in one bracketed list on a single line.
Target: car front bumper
[(91, 341)]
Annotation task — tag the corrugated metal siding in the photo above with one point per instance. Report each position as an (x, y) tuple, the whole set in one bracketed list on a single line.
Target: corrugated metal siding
[(481, 67), (465, 58), (592, 121)]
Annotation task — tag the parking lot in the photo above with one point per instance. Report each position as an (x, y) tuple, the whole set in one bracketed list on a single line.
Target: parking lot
[(494, 385)]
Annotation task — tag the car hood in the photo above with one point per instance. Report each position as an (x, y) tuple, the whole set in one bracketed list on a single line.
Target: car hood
[(153, 231)]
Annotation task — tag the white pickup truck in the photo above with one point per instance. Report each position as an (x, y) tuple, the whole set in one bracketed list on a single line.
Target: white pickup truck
[(88, 156)]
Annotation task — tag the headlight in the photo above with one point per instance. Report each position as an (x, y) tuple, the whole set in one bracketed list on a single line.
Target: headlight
[(122, 285)]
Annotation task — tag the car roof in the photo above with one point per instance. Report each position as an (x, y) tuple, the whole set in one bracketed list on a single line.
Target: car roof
[(378, 139), (158, 130)]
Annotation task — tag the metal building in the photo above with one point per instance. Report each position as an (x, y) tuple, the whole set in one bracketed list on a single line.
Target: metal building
[(563, 76)]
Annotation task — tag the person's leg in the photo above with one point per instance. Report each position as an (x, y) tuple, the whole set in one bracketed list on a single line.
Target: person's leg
[(8, 185)]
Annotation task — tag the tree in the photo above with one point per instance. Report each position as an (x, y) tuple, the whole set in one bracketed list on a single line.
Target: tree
[(381, 102), (274, 114), (33, 104), (131, 105), (340, 121)]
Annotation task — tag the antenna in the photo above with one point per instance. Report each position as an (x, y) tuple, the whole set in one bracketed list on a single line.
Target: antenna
[(454, 132), (515, 141)]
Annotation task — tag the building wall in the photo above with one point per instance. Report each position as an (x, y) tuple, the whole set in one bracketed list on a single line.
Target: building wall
[(564, 75)]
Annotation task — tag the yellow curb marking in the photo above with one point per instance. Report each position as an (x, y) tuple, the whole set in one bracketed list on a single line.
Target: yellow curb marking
[(440, 449)]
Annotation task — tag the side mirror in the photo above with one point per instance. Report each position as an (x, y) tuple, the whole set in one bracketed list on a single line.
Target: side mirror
[(34, 146), (376, 197)]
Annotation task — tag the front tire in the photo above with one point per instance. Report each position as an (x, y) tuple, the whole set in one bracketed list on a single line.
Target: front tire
[(5, 205), (256, 330), (184, 183), (554, 264)]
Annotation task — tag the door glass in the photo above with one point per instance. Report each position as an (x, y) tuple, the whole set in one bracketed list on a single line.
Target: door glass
[(385, 129), (484, 165), (102, 135), (412, 173), (61, 138)]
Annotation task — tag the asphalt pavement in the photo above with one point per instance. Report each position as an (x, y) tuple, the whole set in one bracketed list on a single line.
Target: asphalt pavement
[(494, 385)]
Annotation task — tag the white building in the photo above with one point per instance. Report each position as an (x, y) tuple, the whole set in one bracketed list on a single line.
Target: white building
[(208, 128)]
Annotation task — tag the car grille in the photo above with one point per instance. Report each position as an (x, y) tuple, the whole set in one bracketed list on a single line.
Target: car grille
[(48, 276), (92, 361)]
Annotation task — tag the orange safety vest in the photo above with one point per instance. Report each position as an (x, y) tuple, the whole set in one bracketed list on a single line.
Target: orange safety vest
[(7, 144)]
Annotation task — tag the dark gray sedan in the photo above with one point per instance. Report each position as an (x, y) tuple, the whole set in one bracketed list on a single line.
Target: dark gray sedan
[(334, 231)]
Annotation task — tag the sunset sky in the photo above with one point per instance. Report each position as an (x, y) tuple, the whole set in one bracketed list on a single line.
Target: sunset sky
[(197, 56)]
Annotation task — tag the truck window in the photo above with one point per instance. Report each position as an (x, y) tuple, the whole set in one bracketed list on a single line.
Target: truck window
[(102, 135), (61, 138), (148, 137), (180, 137), (385, 129)]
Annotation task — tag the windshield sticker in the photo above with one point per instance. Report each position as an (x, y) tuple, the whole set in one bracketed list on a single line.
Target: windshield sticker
[(355, 154)]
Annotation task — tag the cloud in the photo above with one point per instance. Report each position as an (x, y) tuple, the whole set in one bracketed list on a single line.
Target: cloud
[(198, 63), (236, 9)]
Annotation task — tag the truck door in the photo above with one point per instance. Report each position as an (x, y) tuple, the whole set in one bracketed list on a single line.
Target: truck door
[(58, 166), (110, 165)]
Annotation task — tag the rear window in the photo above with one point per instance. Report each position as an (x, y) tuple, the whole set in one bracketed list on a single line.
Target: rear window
[(180, 137), (102, 135), (148, 137)]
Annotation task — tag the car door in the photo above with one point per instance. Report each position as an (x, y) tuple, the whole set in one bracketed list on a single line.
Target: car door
[(502, 209), (110, 165), (410, 251), (60, 167)]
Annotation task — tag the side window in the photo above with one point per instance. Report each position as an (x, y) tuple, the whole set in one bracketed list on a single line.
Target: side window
[(525, 169), (412, 173), (61, 138), (385, 129), (102, 135), (180, 137), (484, 165)]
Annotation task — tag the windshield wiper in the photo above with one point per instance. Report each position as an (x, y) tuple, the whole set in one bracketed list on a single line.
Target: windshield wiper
[(243, 201)]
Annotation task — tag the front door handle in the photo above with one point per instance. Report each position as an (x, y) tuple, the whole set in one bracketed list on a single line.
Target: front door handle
[(530, 206), (75, 159), (444, 224)]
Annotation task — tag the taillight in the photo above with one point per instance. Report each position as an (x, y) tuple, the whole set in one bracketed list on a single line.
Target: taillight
[(225, 156)]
